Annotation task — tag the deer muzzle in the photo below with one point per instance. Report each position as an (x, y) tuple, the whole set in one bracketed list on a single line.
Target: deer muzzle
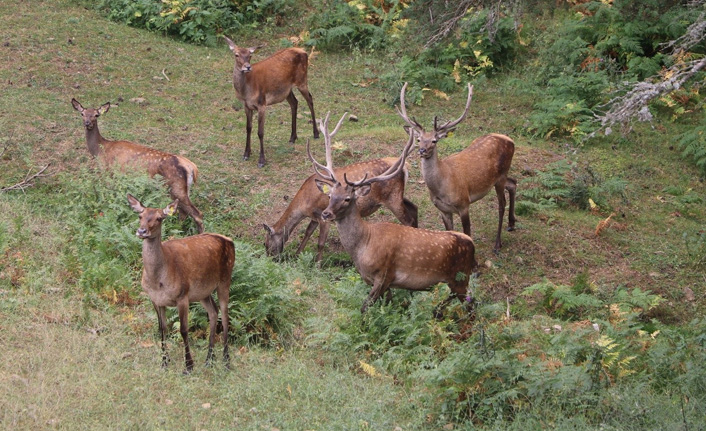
[(142, 233)]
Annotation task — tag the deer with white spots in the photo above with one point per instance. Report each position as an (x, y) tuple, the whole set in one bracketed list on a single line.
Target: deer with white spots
[(391, 255), (181, 271), (178, 172), (309, 202), (268, 82), (460, 179)]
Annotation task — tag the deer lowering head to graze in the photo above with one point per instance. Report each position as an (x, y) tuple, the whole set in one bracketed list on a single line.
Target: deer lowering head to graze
[(181, 271), (463, 178), (309, 202), (267, 82), (387, 254), (179, 172)]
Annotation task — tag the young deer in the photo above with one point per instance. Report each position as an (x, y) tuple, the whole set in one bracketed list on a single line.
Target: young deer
[(309, 202), (267, 82), (181, 271), (463, 178), (387, 254), (179, 172)]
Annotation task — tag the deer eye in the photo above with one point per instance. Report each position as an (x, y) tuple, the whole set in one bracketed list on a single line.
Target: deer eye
[(347, 199), (434, 141)]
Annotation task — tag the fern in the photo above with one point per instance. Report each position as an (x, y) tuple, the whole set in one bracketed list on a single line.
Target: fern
[(693, 146)]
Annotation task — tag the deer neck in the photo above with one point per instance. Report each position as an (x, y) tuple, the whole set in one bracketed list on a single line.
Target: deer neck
[(94, 141), (240, 82), (432, 172), (153, 259), (289, 220), (353, 230)]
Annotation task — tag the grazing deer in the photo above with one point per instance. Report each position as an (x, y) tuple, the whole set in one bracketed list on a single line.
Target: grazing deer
[(181, 271), (387, 254), (179, 172), (463, 178), (309, 202), (267, 82)]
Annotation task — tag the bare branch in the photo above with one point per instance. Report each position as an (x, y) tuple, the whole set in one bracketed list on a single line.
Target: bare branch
[(28, 181)]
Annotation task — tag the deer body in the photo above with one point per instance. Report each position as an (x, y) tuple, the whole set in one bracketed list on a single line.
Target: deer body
[(389, 255), (181, 271), (458, 180), (309, 203), (178, 172), (268, 82)]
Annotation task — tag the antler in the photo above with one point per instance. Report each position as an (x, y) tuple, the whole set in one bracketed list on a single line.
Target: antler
[(391, 172), (327, 173), (451, 124), (402, 111)]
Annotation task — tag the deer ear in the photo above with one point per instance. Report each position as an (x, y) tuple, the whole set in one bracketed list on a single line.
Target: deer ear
[(134, 203), (103, 109), (445, 133), (268, 229), (171, 208), (254, 48), (231, 44), (323, 186), (362, 190), (77, 106)]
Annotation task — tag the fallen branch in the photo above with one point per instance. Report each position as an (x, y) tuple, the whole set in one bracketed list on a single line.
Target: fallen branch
[(28, 181)]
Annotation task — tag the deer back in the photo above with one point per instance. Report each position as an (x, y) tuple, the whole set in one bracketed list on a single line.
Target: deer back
[(192, 266), (469, 175)]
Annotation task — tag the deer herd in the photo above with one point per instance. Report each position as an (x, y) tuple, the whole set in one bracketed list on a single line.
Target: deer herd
[(181, 271)]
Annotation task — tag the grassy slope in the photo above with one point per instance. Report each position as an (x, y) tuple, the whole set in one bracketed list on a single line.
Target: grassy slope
[(66, 365)]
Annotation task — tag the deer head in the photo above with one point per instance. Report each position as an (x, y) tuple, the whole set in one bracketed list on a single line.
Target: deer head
[(90, 115), (242, 55), (428, 140), (150, 218)]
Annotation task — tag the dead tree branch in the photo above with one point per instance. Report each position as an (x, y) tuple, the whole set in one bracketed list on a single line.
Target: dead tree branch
[(28, 181)]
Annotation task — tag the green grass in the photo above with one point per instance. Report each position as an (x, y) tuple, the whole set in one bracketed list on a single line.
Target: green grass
[(78, 361)]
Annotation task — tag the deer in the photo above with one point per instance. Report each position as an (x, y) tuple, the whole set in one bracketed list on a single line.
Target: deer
[(388, 254), (460, 179), (181, 271), (178, 172), (268, 82), (309, 202)]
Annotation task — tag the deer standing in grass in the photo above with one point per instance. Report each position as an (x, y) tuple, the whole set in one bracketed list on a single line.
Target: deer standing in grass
[(267, 82), (386, 254), (460, 179), (178, 172), (309, 202), (181, 271)]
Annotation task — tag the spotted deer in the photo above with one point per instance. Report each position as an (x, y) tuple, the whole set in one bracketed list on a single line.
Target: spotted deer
[(387, 254), (460, 179), (181, 271), (268, 82), (178, 172), (309, 203)]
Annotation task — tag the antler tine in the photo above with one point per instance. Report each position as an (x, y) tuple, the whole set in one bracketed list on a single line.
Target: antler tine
[(451, 124), (390, 172), (318, 167), (402, 111)]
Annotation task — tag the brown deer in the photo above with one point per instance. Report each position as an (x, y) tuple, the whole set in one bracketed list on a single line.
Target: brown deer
[(267, 82), (388, 254), (181, 271), (178, 172), (309, 202), (460, 179)]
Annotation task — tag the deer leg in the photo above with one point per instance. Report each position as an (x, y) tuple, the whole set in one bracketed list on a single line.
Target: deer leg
[(248, 132), (179, 191), (293, 103), (378, 289), (465, 221), (183, 309), (511, 187), (323, 234), (310, 101), (261, 135), (210, 305), (448, 219), (162, 322), (500, 191), (223, 294), (313, 224)]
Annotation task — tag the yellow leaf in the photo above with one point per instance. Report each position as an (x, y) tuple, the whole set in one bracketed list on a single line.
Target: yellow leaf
[(369, 369), (441, 95)]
